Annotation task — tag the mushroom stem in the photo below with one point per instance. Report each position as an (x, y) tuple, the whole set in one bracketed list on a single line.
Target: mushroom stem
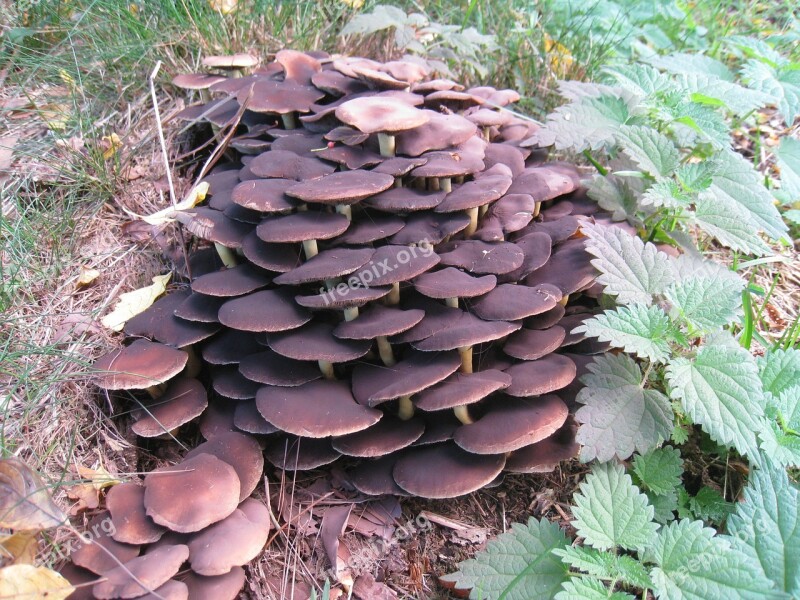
[(536, 209), (346, 210), (226, 255), (433, 184), (289, 121), (387, 144), (310, 248), (473, 221), (460, 179), (350, 313), (564, 300), (394, 296), (462, 414), (385, 350), (156, 390), (482, 210), (406, 408), (487, 133), (193, 364), (327, 369), (451, 302), (398, 182), (466, 359), (446, 184)]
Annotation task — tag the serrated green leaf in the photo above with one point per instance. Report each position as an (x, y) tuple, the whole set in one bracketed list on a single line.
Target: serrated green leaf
[(720, 390), (516, 565), (781, 447), (788, 154), (382, 17), (788, 406), (614, 195), (629, 269), (779, 370), (611, 512), (706, 303), (769, 522), (781, 83), (693, 563), (589, 123), (664, 506), (651, 150), (679, 435), (660, 470), (756, 48), (697, 177), (587, 588), (638, 329), (666, 192), (605, 565), (619, 416), (684, 62), (728, 222), (709, 505), (640, 79), (705, 121), (738, 99), (792, 216)]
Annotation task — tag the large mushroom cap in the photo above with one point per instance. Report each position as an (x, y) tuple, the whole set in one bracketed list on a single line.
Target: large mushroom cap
[(481, 258), (387, 435), (530, 344), (236, 281), (125, 503), (240, 451), (264, 195), (300, 454), (104, 552), (545, 455), (536, 377), (141, 365), (270, 368), (378, 320), (346, 187), (298, 227), (264, 311), (159, 322), (512, 302), (468, 330), (185, 399), (286, 167), (316, 341), (392, 264), (462, 388), (328, 264), (373, 114), (142, 574), (218, 587), (453, 283)]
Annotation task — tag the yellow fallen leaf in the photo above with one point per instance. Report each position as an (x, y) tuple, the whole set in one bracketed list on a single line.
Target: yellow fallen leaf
[(223, 6), (558, 56), (20, 548), (167, 215), (98, 478), (27, 581), (25, 503), (353, 3), (55, 116), (110, 144), (132, 303), (87, 276), (87, 494), (68, 79)]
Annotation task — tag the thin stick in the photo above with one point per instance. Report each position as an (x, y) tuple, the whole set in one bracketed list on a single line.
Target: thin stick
[(161, 140)]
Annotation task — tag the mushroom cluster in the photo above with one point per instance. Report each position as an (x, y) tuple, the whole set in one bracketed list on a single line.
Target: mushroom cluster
[(388, 270)]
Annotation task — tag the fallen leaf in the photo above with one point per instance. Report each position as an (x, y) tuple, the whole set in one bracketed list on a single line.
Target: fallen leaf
[(110, 144), (73, 326), (333, 523), (87, 276), (132, 303), (356, 4), (25, 503), (87, 494), (27, 581), (195, 196), (473, 535), (366, 588), (224, 6), (20, 548)]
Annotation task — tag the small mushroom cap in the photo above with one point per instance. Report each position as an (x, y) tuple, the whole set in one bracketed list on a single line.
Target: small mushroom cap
[(236, 281), (547, 319), (352, 157), (172, 590), (300, 454), (142, 574), (125, 503), (297, 141), (463, 160), (284, 165), (193, 494), (315, 341), (196, 81), (219, 587), (481, 258), (512, 302), (200, 308), (536, 248), (398, 166), (279, 97), (514, 211), (430, 227), (467, 331), (505, 154), (405, 199), (228, 382), (387, 435), (247, 418), (391, 264), (264, 195), (345, 187), (270, 368), (267, 310), (378, 320), (373, 114), (568, 269), (530, 344), (436, 85), (512, 423), (230, 347), (439, 427), (273, 257), (239, 450), (301, 226), (316, 409), (230, 61), (298, 66), (81, 579), (141, 365), (453, 283), (232, 542), (214, 226), (375, 227), (452, 99), (475, 193), (337, 84), (536, 377), (445, 471), (462, 388), (374, 477), (486, 117), (343, 296), (437, 317), (544, 456), (104, 552), (185, 399), (546, 182), (440, 132), (159, 321), (374, 384), (328, 264), (346, 135), (218, 419)]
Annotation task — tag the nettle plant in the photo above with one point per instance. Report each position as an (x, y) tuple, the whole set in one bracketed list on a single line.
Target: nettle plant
[(683, 366)]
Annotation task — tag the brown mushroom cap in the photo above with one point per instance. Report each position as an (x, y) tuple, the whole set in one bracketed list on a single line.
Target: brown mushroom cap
[(439, 427), (505, 154), (142, 574), (346, 135), (378, 320), (337, 84), (481, 258), (267, 310), (343, 296), (376, 227), (125, 503), (264, 195), (387, 435), (512, 423), (328, 264), (209, 491), (241, 279), (284, 165), (475, 193), (228, 382), (185, 399), (196, 81), (273, 257), (398, 166), (230, 61), (214, 226), (546, 182), (440, 132), (239, 450), (171, 590), (445, 471), (510, 302), (430, 228), (141, 365), (230, 347), (374, 477), (300, 454), (468, 330), (453, 283), (316, 409), (352, 157), (103, 552), (278, 97), (298, 66), (405, 199), (536, 377), (315, 341), (159, 321), (547, 319), (200, 308), (568, 269), (544, 456), (391, 264), (462, 388), (247, 418), (374, 384), (530, 344), (301, 226), (219, 587), (346, 187), (270, 368), (373, 114), (536, 248), (218, 419)]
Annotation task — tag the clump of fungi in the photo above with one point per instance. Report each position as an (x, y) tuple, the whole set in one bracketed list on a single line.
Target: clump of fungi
[(387, 271)]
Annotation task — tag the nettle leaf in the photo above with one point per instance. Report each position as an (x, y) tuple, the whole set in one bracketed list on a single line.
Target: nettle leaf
[(614, 195), (516, 565), (707, 302), (664, 506), (788, 406), (651, 150), (779, 370), (382, 17), (720, 390), (611, 512), (709, 505), (587, 124), (705, 121), (659, 470), (606, 565), (788, 154), (638, 329), (640, 79), (629, 269), (737, 182), (697, 177), (666, 192), (619, 416), (587, 588), (781, 83), (756, 48), (783, 448), (769, 522), (693, 563), (684, 62), (575, 90), (738, 99), (727, 221)]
